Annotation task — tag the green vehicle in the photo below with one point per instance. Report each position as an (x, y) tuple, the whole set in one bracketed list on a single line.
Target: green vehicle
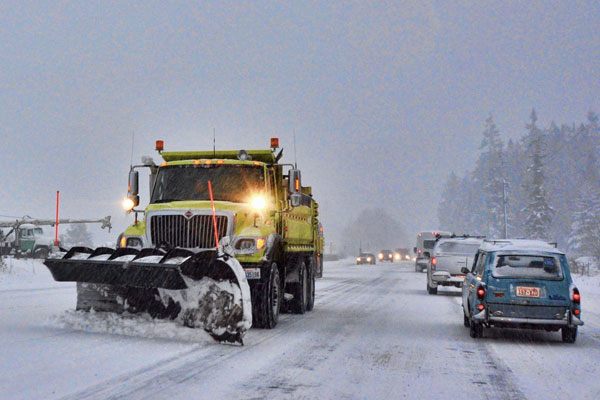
[(28, 237), (27, 240), (235, 226)]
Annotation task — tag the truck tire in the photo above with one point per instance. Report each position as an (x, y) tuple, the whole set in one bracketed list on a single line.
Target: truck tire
[(266, 300), (41, 252), (319, 265), (300, 289), (310, 303)]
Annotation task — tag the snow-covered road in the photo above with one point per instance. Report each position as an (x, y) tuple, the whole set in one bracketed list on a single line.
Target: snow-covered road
[(374, 334)]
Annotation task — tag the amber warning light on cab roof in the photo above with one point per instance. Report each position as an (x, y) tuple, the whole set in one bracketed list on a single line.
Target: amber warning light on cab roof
[(160, 145), (274, 143)]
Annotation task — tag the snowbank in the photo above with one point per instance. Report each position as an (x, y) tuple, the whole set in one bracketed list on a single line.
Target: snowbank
[(27, 274)]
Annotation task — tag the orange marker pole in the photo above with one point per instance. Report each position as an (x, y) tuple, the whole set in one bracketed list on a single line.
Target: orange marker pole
[(214, 212)]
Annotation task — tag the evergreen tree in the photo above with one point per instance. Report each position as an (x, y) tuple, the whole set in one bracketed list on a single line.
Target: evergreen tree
[(448, 213), (77, 235), (538, 212), (585, 233), (491, 165)]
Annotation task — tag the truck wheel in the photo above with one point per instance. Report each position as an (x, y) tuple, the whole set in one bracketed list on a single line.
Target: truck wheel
[(569, 335), (310, 303), (300, 301), (266, 300), (320, 267), (41, 252)]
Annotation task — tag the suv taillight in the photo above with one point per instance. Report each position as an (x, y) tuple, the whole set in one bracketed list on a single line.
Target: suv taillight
[(480, 292), (576, 297)]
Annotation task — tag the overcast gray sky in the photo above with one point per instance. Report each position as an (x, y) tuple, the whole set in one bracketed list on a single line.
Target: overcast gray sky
[(385, 97)]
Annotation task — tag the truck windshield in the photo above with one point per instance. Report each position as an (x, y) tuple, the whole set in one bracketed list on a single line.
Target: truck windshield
[(527, 266), (233, 183)]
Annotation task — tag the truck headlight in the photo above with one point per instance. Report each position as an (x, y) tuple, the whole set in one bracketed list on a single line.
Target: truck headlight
[(249, 245), (128, 204), (258, 202), (134, 242)]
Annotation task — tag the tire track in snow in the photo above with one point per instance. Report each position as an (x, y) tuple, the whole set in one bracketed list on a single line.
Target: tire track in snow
[(178, 369)]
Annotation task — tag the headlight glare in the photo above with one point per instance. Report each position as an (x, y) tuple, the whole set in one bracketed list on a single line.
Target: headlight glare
[(258, 202)]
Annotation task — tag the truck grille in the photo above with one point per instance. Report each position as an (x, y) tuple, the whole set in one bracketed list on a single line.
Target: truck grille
[(178, 231)]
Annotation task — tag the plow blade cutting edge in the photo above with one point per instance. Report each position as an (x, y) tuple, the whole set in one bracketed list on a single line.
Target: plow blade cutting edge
[(205, 290)]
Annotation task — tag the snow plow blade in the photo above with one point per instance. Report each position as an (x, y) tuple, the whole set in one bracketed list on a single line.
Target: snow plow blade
[(207, 289)]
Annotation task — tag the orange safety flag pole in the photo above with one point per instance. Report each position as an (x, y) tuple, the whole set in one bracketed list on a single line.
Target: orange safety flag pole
[(214, 212), (56, 224)]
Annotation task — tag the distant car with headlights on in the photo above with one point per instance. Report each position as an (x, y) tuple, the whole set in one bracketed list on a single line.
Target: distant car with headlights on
[(522, 284), (449, 256), (402, 254), (386, 255), (365, 258)]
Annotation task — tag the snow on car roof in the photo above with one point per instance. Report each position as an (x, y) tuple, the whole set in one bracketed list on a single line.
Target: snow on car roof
[(466, 240), (520, 245)]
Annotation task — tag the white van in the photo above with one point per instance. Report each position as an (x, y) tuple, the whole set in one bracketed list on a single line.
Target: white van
[(424, 247)]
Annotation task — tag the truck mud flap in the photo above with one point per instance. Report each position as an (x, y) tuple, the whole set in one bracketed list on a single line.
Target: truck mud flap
[(205, 290)]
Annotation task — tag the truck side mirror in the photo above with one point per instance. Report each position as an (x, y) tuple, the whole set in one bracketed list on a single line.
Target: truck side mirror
[(415, 250), (296, 199), (465, 270), (295, 183), (133, 187), (295, 187)]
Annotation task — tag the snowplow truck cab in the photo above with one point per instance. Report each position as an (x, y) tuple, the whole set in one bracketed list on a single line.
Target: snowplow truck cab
[(228, 240)]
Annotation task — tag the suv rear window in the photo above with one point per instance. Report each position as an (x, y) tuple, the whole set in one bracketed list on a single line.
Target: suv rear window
[(527, 266)]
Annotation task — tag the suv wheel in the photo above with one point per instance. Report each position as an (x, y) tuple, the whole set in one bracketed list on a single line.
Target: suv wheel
[(431, 290), (569, 335), (476, 330)]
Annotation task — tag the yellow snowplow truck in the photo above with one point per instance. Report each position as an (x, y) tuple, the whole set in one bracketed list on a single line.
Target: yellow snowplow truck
[(228, 240)]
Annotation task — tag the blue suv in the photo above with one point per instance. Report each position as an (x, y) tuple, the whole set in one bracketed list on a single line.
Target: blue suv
[(521, 284)]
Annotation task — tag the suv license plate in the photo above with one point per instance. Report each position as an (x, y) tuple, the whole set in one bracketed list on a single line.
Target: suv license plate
[(525, 291), (252, 273)]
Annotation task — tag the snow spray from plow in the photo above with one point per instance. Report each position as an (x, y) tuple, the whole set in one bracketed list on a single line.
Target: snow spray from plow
[(207, 289)]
